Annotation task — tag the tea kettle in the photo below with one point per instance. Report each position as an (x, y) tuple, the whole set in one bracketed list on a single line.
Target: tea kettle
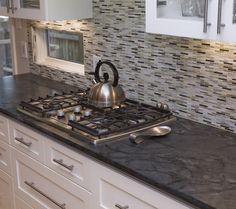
[(106, 93)]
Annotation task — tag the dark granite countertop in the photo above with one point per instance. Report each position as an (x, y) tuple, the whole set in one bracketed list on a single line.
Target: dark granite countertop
[(195, 163)]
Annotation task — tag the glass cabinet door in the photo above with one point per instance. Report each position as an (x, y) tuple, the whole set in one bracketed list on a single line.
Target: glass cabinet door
[(186, 18), (181, 9), (3, 3), (226, 22), (30, 4), (30, 9), (4, 10)]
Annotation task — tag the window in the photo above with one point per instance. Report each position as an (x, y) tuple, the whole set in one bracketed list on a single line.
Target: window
[(5, 47), (59, 49)]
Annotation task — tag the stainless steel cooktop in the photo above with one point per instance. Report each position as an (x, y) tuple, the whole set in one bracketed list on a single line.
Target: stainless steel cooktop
[(72, 113)]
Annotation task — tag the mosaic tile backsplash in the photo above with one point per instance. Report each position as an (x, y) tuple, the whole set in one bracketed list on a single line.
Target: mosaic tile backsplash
[(197, 78)]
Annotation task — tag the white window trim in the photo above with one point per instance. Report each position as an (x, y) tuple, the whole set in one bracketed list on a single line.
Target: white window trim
[(40, 55)]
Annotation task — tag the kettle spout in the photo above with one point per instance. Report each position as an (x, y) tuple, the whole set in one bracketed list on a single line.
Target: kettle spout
[(94, 81)]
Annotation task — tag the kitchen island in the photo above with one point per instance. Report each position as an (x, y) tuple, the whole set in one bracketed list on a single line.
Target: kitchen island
[(196, 163)]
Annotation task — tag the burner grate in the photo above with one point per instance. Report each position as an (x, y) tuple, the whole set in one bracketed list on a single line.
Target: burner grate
[(55, 102), (129, 117)]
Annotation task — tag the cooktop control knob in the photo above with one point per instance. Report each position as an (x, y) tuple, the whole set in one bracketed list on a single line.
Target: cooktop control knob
[(60, 114), (162, 106), (165, 107), (87, 112), (71, 117), (77, 109), (159, 105)]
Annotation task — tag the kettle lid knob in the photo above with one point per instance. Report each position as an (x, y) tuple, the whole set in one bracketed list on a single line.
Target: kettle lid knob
[(106, 77)]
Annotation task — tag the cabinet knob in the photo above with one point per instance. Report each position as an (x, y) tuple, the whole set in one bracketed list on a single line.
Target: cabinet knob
[(122, 207)]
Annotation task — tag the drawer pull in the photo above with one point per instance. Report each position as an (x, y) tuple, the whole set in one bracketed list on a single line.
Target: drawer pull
[(122, 207), (21, 140), (31, 185), (60, 162)]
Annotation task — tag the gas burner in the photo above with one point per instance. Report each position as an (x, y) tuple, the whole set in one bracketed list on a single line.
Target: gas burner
[(72, 113)]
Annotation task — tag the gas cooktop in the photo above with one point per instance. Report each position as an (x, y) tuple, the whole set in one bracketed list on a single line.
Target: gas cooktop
[(72, 113)]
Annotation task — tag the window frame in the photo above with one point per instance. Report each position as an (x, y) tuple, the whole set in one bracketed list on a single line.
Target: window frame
[(40, 54)]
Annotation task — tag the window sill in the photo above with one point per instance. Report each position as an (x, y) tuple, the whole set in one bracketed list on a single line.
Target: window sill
[(62, 65)]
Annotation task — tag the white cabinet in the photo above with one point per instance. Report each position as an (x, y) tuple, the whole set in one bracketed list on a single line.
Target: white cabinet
[(227, 20), (4, 129), (26, 140), (48, 175), (115, 191), (20, 204), (68, 163), (43, 188), (205, 19), (6, 194), (5, 157), (4, 7), (47, 9)]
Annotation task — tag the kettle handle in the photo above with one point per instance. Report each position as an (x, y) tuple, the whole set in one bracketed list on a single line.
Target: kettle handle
[(114, 70)]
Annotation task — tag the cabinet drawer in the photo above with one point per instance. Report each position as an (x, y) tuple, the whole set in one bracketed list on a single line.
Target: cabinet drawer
[(6, 193), (27, 141), (4, 129), (20, 204), (68, 163), (5, 157), (38, 185), (114, 197), (120, 192)]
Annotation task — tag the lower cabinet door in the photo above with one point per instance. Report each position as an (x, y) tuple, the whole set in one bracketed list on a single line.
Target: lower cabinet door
[(5, 157), (41, 187), (6, 193), (20, 204), (4, 135)]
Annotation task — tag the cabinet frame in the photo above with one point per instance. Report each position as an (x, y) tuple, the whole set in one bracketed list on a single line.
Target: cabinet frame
[(217, 25), (50, 10)]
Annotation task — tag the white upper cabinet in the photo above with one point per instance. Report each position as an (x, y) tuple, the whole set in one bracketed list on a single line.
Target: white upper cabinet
[(226, 20), (47, 9), (204, 19), (4, 7)]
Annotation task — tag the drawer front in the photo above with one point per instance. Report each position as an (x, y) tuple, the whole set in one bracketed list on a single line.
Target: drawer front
[(68, 163), (116, 191), (114, 197), (36, 183), (20, 204), (4, 136), (27, 141), (5, 157), (6, 193)]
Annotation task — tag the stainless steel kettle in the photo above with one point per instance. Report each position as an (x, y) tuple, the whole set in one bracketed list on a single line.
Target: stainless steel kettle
[(106, 93)]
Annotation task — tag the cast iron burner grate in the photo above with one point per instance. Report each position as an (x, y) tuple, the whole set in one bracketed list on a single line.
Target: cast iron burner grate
[(55, 102), (130, 116)]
